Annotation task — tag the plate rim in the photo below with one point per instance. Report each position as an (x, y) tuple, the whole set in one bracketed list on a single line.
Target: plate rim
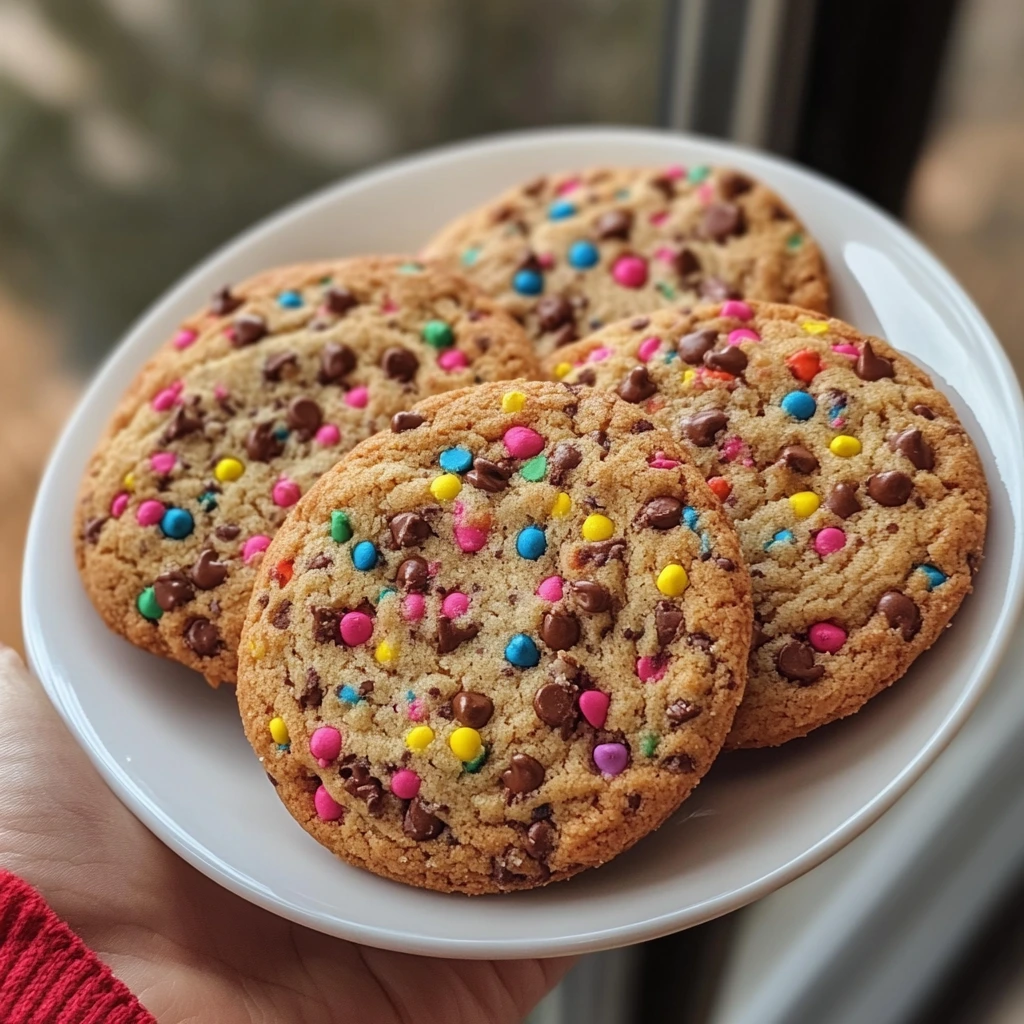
[(65, 699)]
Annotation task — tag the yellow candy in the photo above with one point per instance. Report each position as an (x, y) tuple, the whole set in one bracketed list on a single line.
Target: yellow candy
[(385, 651), (129, 481), (814, 326), (279, 731), (672, 580), (513, 401), (597, 527), (419, 738), (445, 487), (689, 377), (844, 446), (804, 504), (228, 469), (561, 369), (258, 649), (465, 743), (562, 506)]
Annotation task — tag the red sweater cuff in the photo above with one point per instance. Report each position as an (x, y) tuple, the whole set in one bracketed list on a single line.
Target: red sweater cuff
[(47, 974)]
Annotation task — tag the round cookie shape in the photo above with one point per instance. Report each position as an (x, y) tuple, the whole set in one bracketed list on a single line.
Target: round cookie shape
[(568, 253), (194, 476), (545, 665), (859, 499)]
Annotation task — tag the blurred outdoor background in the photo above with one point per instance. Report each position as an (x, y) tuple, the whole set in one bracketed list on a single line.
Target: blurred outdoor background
[(137, 135)]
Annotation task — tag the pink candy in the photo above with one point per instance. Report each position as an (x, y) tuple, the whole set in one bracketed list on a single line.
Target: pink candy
[(286, 492), (546, 260), (328, 435), (829, 540), (611, 758), (470, 538), (647, 348), (325, 744), (357, 397), (847, 349), (405, 784), (327, 808), (452, 359), (660, 217), (550, 589), (523, 443), (119, 504), (220, 392), (254, 546), (567, 186), (650, 670), (162, 463), (630, 271), (705, 193), (417, 712), (826, 638), (356, 628), (599, 355), (594, 707), (185, 337), (165, 399), (454, 605), (150, 512), (743, 334), (737, 309), (413, 607), (662, 461), (674, 172)]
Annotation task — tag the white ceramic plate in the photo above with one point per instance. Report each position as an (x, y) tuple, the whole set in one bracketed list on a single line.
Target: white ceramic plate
[(174, 752)]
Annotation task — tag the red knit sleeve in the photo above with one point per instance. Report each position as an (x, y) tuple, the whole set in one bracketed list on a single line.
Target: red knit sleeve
[(47, 974)]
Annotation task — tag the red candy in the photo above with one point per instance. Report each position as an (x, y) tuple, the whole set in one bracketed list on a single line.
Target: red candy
[(720, 487), (804, 365)]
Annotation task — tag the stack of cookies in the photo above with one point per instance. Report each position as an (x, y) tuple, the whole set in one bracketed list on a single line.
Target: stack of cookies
[(504, 544)]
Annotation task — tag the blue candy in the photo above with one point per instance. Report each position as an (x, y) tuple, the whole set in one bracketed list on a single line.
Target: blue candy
[(799, 404), (177, 523), (583, 255), (690, 517), (782, 537), (455, 460), (935, 577), (522, 652), (528, 282), (349, 694), (531, 543), (289, 300), (560, 209), (364, 556)]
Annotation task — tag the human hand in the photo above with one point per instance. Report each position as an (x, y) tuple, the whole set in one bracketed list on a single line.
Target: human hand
[(190, 950)]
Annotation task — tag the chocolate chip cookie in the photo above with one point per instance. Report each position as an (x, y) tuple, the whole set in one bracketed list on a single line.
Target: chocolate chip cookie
[(200, 465), (569, 253), (498, 644), (859, 499)]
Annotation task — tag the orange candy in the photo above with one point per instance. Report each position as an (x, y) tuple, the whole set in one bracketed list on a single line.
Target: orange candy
[(720, 486), (804, 365), (283, 572)]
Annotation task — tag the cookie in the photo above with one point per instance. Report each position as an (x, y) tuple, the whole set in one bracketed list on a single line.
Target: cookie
[(859, 499), (199, 469), (569, 253), (517, 657)]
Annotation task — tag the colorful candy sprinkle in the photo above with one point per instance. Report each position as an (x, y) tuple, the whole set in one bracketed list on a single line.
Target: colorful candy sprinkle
[(455, 460), (470, 538), (844, 446), (453, 359), (742, 334), (177, 523), (630, 271), (562, 505), (405, 784), (341, 526), (550, 589), (513, 401), (583, 255), (437, 334), (327, 808), (348, 694), (528, 282), (594, 707), (531, 543), (829, 541), (119, 504), (254, 546), (799, 404), (285, 493), (386, 652), (736, 309), (611, 758), (454, 605), (446, 487), (355, 628), (357, 398), (290, 299), (162, 463), (560, 209), (413, 607), (826, 637), (522, 442), (673, 580), (465, 743), (933, 577), (279, 731), (324, 744), (148, 606), (650, 670), (804, 504), (419, 738), (534, 469), (228, 469), (804, 365), (149, 512), (364, 556), (597, 527), (522, 652), (185, 337), (647, 348)]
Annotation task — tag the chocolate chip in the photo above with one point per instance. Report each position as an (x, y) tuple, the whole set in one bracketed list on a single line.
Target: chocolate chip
[(92, 530), (472, 709), (682, 764), (399, 363), (912, 444), (360, 783), (450, 635), (758, 637), (419, 823), (601, 552), (565, 335), (702, 428), (730, 359), (560, 630), (403, 421), (641, 427), (261, 445), (843, 501), (721, 221), (489, 476), (591, 597), (662, 513), (412, 574), (796, 662), (321, 561), (694, 346), (714, 289), (665, 185), (282, 617), (227, 531), (248, 329), (587, 376), (686, 262), (901, 613), (923, 410), (540, 840), (799, 459), (633, 801), (637, 386), (667, 620), (890, 489), (202, 637), (304, 416), (523, 775), (682, 711), (732, 184), (275, 364), (614, 224), (563, 458), (409, 529), (224, 302), (207, 572), (335, 362), (340, 300), (554, 311), (172, 590), (325, 625), (555, 704), (638, 323), (725, 564), (182, 423), (312, 695), (870, 366)]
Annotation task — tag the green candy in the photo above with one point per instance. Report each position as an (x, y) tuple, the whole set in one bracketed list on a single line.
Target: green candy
[(649, 744), (698, 174), (470, 256), (794, 241), (146, 603), (666, 289), (534, 469), (476, 764), (341, 528), (438, 334), (410, 268)]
